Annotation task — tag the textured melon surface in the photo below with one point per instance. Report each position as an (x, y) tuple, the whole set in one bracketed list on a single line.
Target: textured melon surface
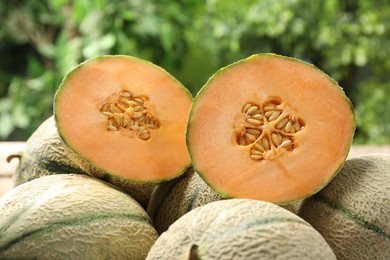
[(44, 154), (271, 128), (71, 216), (241, 229), (171, 200), (353, 211)]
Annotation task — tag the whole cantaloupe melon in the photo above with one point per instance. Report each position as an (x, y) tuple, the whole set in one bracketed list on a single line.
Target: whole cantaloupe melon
[(171, 200), (240, 229), (71, 216), (353, 211), (44, 154)]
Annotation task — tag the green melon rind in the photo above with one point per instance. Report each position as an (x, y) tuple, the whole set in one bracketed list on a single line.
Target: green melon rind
[(241, 229), (139, 189), (72, 215), (173, 199), (294, 201), (353, 212), (44, 154)]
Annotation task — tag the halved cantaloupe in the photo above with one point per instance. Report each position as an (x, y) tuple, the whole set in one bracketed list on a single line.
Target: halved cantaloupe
[(269, 127), (124, 118)]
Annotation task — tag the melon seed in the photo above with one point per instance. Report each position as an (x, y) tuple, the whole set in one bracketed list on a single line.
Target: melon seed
[(259, 147), (254, 151), (288, 127), (246, 107), (112, 128), (253, 121), (125, 93), (256, 157), (280, 135), (250, 137), (265, 143), (128, 113), (255, 132), (257, 117), (275, 139), (282, 123), (285, 144), (252, 110), (274, 116)]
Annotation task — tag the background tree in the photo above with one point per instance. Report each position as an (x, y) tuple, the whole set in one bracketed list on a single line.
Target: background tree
[(40, 41)]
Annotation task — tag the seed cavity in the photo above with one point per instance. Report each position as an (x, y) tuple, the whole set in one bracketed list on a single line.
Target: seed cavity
[(130, 113), (269, 129)]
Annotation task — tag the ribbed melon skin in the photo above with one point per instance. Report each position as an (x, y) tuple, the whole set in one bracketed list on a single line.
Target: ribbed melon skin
[(241, 229), (173, 199), (353, 211), (72, 216), (44, 154)]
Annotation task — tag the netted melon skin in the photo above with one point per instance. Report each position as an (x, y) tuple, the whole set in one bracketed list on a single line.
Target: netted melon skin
[(173, 199), (71, 216), (241, 229), (44, 154), (353, 211)]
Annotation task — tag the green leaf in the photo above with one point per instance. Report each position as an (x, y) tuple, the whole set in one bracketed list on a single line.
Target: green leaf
[(6, 125)]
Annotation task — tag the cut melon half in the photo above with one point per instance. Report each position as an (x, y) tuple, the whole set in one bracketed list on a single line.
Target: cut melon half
[(271, 128), (125, 117)]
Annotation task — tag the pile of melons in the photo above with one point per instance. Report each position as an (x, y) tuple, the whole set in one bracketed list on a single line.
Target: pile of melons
[(130, 166)]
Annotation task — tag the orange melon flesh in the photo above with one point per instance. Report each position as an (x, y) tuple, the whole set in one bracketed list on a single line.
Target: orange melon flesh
[(321, 146), (83, 127)]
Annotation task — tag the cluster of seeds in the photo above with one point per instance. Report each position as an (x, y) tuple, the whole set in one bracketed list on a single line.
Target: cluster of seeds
[(281, 128), (131, 113)]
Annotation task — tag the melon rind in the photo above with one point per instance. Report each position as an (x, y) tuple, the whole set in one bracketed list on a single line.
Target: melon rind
[(241, 229), (44, 154), (171, 200), (293, 201), (70, 216), (353, 211)]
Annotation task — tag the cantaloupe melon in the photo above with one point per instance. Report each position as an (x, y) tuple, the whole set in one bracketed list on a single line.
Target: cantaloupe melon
[(171, 200), (69, 216), (241, 229), (43, 155), (123, 119), (353, 211), (271, 128)]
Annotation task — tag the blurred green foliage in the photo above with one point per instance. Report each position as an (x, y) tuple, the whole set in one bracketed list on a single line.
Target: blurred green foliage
[(41, 41)]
